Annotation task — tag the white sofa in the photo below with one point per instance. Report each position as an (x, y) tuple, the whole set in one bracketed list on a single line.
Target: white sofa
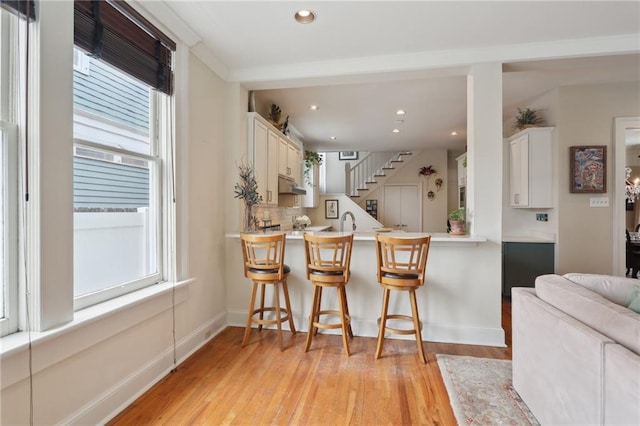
[(576, 350)]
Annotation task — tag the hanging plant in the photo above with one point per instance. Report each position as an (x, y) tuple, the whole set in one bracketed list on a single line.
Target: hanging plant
[(247, 190), (311, 159)]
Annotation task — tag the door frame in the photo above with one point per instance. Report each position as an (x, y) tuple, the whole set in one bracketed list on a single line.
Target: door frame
[(619, 213)]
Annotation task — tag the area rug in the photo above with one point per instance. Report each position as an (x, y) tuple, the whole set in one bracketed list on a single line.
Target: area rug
[(481, 392)]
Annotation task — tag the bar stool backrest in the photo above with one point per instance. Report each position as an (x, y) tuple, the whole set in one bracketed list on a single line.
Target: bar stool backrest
[(328, 256), (263, 255), (402, 261)]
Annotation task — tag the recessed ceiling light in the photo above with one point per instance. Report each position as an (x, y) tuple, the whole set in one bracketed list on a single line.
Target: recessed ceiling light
[(399, 121), (396, 131), (454, 133), (333, 138), (314, 107), (401, 112), (305, 16)]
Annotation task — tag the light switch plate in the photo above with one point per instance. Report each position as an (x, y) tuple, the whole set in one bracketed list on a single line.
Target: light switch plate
[(599, 202)]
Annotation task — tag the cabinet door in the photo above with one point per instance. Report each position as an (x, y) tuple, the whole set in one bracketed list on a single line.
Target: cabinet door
[(523, 262), (272, 171), (294, 160), (260, 156), (283, 153), (402, 207), (519, 171)]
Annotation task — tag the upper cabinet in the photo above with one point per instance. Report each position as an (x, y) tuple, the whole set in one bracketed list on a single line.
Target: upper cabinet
[(289, 160), (530, 168), (263, 154)]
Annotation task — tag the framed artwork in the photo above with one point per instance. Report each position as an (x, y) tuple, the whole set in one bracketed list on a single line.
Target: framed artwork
[(372, 208), (588, 165), (331, 209), (348, 155)]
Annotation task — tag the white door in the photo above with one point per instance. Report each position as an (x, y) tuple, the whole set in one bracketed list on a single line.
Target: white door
[(403, 207)]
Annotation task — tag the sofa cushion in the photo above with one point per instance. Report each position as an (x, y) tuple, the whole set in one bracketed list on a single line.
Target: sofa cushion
[(617, 322), (633, 301), (613, 288)]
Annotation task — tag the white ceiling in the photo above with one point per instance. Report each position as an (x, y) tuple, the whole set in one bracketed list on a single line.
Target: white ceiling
[(362, 60)]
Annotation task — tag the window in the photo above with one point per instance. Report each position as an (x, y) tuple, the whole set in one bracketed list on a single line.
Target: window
[(118, 194), (122, 86), (10, 86)]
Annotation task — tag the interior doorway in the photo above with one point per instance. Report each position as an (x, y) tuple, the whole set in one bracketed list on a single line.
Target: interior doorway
[(627, 133)]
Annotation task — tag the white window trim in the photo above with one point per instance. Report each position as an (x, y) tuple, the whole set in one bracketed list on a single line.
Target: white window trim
[(9, 147)]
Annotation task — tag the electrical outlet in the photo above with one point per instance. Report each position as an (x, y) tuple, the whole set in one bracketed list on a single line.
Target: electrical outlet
[(542, 217), (599, 202)]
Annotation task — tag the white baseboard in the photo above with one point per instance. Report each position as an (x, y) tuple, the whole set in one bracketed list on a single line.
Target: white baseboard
[(117, 398), (441, 333)]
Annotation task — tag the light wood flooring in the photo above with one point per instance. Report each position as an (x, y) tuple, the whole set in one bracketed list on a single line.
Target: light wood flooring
[(224, 383)]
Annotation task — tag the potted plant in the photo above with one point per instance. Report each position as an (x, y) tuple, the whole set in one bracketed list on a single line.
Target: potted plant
[(247, 190), (527, 118), (456, 221), (311, 159)]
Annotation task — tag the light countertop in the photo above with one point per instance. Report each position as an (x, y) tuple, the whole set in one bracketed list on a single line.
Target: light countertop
[(371, 236)]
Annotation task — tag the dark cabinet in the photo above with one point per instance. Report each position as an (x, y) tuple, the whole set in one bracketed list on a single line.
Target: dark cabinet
[(522, 262)]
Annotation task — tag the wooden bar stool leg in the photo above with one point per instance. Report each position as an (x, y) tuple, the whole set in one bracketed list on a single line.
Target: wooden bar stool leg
[(346, 309), (276, 296), (261, 314), (416, 325), (383, 321), (287, 303), (319, 302), (313, 316), (343, 318), (247, 329)]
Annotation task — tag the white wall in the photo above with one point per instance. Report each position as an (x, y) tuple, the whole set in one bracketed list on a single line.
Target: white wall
[(586, 117)]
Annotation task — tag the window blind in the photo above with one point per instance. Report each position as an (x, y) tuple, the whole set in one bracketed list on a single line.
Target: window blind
[(116, 33), (23, 8)]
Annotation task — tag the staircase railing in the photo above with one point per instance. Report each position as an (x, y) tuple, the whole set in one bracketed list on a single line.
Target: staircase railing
[(364, 171)]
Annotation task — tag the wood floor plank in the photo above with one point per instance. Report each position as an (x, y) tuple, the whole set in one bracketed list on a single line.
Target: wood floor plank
[(224, 383)]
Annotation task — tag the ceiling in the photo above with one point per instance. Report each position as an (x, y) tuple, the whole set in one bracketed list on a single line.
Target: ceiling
[(360, 61)]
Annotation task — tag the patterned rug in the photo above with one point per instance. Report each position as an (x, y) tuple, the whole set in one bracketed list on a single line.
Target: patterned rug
[(481, 393)]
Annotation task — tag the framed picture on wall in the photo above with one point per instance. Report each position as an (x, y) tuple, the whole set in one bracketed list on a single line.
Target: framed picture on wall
[(331, 209), (347, 155), (588, 165)]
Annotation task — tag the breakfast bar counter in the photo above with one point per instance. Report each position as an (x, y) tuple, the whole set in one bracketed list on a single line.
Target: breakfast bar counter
[(456, 304)]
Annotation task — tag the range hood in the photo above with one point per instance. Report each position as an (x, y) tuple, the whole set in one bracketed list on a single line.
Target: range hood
[(289, 187)]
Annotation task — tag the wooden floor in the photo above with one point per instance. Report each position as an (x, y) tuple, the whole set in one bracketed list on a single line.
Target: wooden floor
[(224, 383)]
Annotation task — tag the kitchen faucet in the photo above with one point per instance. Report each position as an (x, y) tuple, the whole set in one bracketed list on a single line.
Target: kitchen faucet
[(344, 217)]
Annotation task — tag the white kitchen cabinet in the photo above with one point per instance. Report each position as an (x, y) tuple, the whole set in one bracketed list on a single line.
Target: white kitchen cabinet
[(403, 207), (530, 168), (263, 154), (289, 160)]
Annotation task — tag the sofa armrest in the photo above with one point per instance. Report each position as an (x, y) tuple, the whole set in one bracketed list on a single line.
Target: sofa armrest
[(557, 362), (621, 386)]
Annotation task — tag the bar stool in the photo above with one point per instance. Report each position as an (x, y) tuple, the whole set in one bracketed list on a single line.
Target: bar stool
[(264, 264), (328, 261), (401, 266)]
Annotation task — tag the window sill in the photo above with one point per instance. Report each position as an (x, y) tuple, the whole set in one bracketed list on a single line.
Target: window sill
[(112, 316)]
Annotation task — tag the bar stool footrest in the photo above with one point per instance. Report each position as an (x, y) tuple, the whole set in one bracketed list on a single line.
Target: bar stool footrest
[(393, 330), (325, 325), (283, 312)]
